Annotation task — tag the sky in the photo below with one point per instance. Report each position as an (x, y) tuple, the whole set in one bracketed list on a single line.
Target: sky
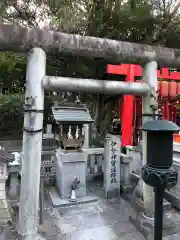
[(44, 20)]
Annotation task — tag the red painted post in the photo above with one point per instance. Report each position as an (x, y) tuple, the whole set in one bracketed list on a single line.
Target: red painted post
[(166, 110), (126, 111), (128, 107), (130, 71), (138, 123)]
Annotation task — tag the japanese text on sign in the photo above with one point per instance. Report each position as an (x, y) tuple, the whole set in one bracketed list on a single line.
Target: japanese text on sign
[(113, 158)]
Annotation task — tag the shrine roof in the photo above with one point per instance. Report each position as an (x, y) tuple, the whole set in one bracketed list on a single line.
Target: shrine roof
[(67, 114), (5, 156)]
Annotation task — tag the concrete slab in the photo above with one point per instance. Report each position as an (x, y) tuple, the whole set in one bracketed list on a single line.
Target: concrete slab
[(102, 232), (58, 202), (108, 219), (131, 236), (171, 223), (103, 219), (172, 237)]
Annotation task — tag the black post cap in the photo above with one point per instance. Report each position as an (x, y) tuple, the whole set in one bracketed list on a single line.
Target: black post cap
[(160, 143), (160, 125)]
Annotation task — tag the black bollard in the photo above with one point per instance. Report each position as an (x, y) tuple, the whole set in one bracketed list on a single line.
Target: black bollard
[(158, 220), (158, 172)]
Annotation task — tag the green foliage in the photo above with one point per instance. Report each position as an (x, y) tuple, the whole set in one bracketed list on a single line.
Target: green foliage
[(12, 79), (11, 109), (12, 73)]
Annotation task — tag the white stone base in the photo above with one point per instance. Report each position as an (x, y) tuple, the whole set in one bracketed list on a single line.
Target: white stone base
[(58, 202), (37, 237), (5, 213)]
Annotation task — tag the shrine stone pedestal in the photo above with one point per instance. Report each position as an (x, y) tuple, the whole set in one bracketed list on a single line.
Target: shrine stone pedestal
[(5, 209), (112, 172), (70, 166), (14, 188)]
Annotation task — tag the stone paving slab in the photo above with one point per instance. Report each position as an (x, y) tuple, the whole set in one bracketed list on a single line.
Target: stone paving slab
[(104, 219), (172, 237)]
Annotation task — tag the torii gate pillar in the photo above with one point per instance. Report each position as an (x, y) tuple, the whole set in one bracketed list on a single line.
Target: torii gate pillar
[(149, 109), (32, 144)]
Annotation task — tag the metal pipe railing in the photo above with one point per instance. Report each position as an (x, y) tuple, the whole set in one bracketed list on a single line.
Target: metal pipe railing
[(95, 86)]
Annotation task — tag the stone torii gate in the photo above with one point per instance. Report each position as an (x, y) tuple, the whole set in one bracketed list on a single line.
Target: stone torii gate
[(36, 83), (19, 39)]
